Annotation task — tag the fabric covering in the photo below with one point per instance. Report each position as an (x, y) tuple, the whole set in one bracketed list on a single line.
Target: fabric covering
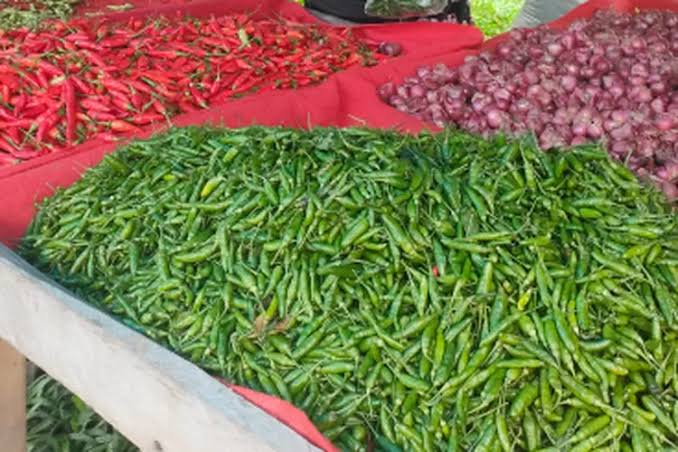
[(346, 99)]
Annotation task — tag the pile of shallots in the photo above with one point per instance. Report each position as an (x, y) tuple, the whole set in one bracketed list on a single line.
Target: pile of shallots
[(612, 78)]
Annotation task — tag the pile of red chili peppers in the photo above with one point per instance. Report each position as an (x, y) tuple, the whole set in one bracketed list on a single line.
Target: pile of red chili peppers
[(73, 82)]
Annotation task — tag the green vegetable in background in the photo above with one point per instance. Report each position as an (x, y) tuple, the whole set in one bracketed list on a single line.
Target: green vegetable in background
[(494, 17), (25, 13), (429, 292), (59, 421)]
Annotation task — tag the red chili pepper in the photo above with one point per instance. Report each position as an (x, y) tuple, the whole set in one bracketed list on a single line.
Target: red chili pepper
[(46, 124), (242, 64), (123, 105), (81, 85), (35, 111), (137, 100), (111, 43), (18, 102), (94, 59), (179, 63), (30, 78), (26, 154), (5, 146), (101, 115), (4, 113), (12, 133), (109, 137), (71, 110), (77, 37), (50, 68), (147, 118), (198, 97), (112, 84), (140, 86), (91, 104), (214, 89), (196, 51), (168, 54), (122, 126), (19, 123), (54, 133), (187, 107), (115, 94), (240, 80), (42, 79), (246, 86), (157, 106)]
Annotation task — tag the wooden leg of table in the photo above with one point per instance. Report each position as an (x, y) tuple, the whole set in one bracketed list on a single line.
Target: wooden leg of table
[(12, 399)]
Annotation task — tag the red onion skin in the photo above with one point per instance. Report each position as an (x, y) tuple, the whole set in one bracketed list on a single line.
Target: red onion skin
[(578, 140), (669, 172), (417, 91), (670, 190), (594, 131), (387, 91), (616, 92), (403, 91), (665, 122), (396, 100), (658, 105), (623, 132), (619, 149), (390, 48), (433, 97), (496, 118), (568, 83)]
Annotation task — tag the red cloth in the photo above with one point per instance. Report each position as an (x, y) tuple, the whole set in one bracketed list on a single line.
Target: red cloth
[(286, 413), (346, 99), (330, 103)]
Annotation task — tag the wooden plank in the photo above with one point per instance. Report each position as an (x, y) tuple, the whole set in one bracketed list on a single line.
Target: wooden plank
[(12, 399), (155, 398)]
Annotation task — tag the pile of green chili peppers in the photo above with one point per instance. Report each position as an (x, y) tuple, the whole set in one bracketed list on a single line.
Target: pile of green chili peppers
[(431, 292), (16, 14)]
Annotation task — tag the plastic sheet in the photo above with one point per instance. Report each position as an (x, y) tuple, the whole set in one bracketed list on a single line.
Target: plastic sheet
[(537, 12), (398, 9), (354, 11)]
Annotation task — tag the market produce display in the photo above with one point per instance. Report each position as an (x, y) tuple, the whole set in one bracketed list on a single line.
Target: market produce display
[(76, 81), (31, 13), (60, 421), (612, 78), (431, 292)]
